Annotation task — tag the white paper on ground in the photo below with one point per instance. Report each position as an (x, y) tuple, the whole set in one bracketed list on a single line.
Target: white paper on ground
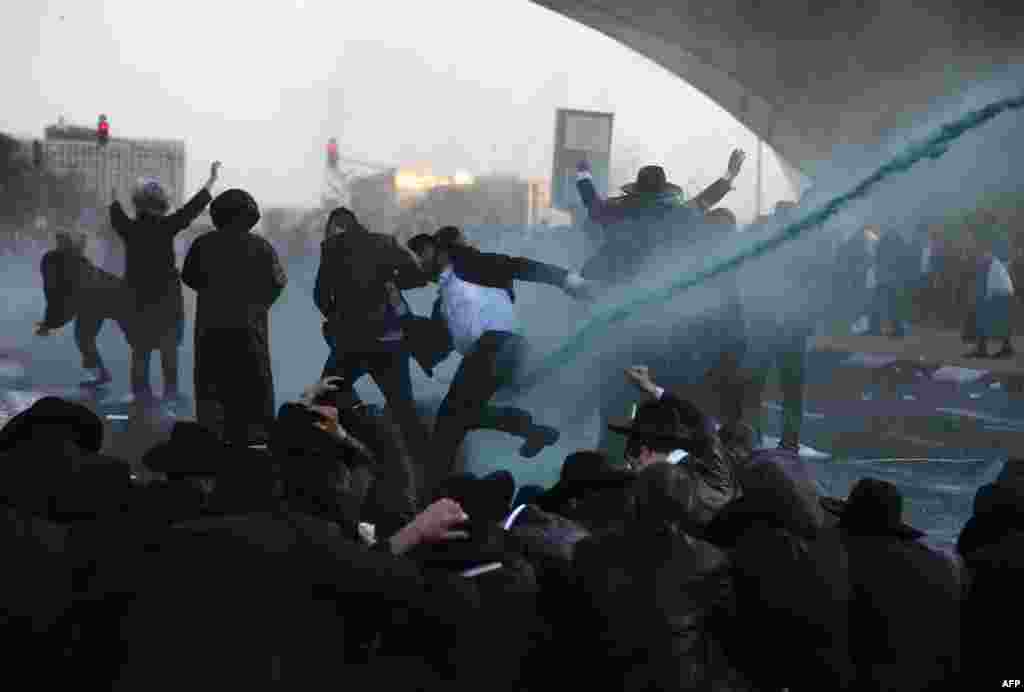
[(950, 373), (869, 360)]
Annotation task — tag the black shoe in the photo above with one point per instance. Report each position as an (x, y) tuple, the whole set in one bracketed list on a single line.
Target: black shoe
[(540, 436), (977, 354), (1005, 352)]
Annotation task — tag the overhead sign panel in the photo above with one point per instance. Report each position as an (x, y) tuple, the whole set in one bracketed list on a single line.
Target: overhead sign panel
[(580, 135)]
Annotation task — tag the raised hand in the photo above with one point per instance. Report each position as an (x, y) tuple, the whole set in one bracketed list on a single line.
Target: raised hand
[(432, 525), (640, 375), (318, 389), (735, 163), (435, 522), (579, 288), (215, 170), (583, 166)]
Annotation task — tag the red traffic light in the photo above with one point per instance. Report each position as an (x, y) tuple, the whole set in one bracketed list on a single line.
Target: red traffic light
[(332, 152), (103, 130)]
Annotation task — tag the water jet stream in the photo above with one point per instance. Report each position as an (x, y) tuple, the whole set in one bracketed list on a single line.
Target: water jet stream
[(932, 147)]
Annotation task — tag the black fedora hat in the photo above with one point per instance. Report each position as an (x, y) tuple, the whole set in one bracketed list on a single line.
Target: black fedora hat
[(486, 499), (874, 507), (582, 472), (651, 180), (660, 420), (86, 426), (486, 543), (191, 450), (234, 207)]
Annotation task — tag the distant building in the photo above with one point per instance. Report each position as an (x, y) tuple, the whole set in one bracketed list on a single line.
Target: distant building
[(539, 201), (74, 149)]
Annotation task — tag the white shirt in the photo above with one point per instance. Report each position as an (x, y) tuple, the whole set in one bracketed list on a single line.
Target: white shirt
[(999, 282), (470, 310)]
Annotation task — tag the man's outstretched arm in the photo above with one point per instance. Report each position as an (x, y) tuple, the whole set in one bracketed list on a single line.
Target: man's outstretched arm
[(714, 193)]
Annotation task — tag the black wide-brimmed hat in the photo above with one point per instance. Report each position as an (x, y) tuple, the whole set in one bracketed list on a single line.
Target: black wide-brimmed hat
[(486, 499), (86, 426), (192, 451), (583, 472), (651, 180), (874, 507), (486, 544), (235, 208), (660, 420)]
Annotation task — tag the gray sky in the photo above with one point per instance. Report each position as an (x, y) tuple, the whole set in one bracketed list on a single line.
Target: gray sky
[(455, 84)]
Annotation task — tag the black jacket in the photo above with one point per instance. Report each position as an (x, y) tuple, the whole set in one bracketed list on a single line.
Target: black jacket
[(71, 282), (149, 243), (495, 270), (237, 276), (646, 598), (351, 289)]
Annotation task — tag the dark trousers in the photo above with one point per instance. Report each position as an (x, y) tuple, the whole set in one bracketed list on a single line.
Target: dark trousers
[(388, 365), (784, 351), (495, 361), (156, 324), (168, 349), (234, 385), (87, 329)]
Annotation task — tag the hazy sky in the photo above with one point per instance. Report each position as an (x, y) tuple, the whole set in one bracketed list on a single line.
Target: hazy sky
[(455, 84)]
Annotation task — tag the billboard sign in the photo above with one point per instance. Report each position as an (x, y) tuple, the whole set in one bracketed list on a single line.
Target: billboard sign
[(580, 135)]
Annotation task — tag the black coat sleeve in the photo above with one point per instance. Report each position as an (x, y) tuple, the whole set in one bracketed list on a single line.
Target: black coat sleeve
[(278, 278), (713, 194), (323, 293), (58, 288), (193, 274), (183, 218), (493, 269), (119, 220)]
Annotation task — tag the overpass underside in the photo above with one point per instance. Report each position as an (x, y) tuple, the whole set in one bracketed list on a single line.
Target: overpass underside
[(808, 76)]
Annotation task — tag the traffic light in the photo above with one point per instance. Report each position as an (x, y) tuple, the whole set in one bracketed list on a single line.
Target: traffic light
[(37, 153), (332, 152), (103, 131)]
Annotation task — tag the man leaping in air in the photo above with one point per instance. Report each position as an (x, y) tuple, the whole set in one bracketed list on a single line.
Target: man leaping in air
[(477, 302)]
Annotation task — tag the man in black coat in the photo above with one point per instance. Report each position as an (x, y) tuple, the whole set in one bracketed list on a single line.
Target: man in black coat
[(158, 309), (358, 291), (238, 277), (76, 289)]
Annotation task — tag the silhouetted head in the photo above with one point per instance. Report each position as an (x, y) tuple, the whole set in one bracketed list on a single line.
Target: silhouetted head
[(73, 241), (234, 209), (433, 257), (150, 197), (451, 236), (340, 220)]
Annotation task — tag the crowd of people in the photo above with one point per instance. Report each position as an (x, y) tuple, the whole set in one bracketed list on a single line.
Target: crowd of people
[(321, 541)]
